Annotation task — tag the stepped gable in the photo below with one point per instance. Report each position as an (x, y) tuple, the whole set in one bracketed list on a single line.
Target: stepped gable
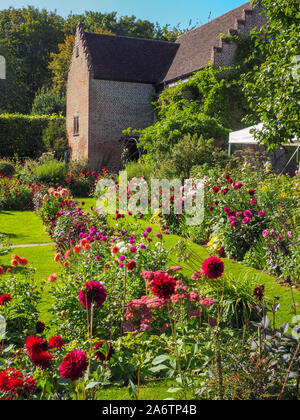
[(198, 47)]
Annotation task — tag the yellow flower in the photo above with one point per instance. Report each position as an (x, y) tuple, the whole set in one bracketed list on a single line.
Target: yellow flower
[(213, 244)]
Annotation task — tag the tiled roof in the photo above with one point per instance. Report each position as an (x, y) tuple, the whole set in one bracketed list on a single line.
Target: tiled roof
[(128, 59)]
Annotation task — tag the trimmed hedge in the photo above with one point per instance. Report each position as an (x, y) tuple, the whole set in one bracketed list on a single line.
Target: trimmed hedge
[(22, 135)]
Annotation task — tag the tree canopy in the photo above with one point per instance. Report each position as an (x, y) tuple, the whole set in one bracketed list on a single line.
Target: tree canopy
[(272, 87)]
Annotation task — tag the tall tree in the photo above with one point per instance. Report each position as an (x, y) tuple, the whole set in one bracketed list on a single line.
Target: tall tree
[(273, 87), (27, 38)]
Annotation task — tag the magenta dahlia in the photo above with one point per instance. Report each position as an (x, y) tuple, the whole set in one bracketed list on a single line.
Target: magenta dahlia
[(73, 365), (163, 286), (92, 292), (213, 267)]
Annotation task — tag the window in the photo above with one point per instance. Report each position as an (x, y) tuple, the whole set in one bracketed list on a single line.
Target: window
[(77, 51), (76, 126)]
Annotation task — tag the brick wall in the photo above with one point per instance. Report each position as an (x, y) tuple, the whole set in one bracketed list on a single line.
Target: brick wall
[(113, 107), (78, 101)]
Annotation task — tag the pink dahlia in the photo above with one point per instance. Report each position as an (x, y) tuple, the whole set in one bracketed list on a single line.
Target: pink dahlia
[(73, 365), (213, 267), (92, 292)]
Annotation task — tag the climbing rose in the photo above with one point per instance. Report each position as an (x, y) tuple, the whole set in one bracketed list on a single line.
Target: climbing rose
[(163, 286), (1, 271), (73, 365), (92, 292), (213, 267)]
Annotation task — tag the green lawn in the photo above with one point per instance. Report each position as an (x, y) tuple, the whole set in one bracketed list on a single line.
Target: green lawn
[(23, 227)]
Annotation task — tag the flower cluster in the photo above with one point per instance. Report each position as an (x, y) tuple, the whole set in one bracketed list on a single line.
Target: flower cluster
[(139, 313), (14, 385)]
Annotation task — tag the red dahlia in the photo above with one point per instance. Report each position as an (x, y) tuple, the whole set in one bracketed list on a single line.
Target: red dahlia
[(73, 365), (92, 292), (213, 267), (56, 342), (102, 355), (43, 359), (35, 345), (4, 299), (131, 265), (36, 349), (163, 286), (13, 383)]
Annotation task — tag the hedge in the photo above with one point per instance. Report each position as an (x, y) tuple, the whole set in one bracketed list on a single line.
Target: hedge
[(22, 135)]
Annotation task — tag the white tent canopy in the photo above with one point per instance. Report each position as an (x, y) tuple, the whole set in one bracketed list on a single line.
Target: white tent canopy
[(246, 137)]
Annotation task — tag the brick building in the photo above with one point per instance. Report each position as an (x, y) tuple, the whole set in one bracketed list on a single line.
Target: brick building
[(111, 78)]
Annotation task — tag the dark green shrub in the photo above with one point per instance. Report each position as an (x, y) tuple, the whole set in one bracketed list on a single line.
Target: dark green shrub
[(22, 135), (7, 169)]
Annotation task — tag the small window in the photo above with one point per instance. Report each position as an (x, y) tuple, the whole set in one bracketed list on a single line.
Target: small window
[(77, 51), (76, 126)]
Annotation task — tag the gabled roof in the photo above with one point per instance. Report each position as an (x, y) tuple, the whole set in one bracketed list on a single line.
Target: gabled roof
[(140, 60), (196, 46), (128, 59)]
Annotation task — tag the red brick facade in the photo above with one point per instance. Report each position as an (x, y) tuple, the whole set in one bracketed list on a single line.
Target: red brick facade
[(111, 78)]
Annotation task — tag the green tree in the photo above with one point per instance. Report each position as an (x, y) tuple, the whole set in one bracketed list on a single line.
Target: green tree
[(272, 88), (27, 37), (48, 102)]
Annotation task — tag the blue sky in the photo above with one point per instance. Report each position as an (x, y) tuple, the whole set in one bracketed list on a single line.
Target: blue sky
[(161, 11)]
